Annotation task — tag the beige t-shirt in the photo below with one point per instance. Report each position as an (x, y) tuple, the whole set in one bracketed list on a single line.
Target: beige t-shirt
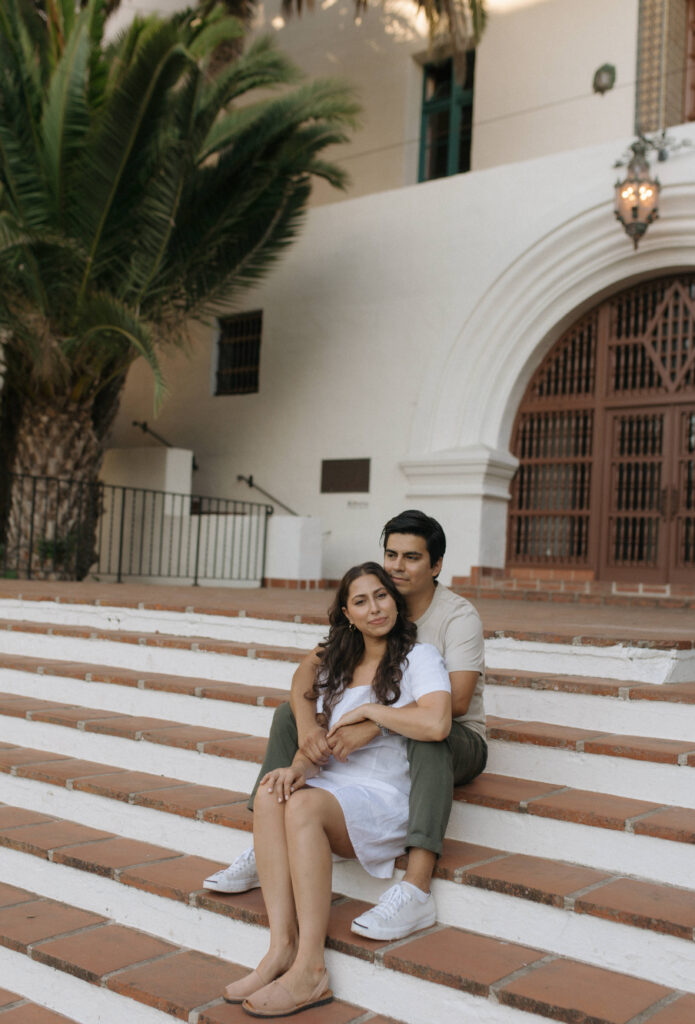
[(453, 625)]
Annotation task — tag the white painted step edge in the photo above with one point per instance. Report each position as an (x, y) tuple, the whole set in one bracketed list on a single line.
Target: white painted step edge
[(132, 700), (237, 628), (662, 719), (193, 664), (637, 664)]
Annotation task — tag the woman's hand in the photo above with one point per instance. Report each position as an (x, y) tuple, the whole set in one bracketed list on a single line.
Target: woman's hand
[(284, 781), (364, 711)]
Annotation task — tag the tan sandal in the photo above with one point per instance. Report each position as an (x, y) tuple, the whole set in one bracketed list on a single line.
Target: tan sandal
[(275, 1001), (238, 991)]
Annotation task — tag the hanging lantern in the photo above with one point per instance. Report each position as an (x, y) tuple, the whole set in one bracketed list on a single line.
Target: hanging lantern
[(637, 197)]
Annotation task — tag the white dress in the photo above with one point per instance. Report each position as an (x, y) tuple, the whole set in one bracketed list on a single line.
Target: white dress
[(373, 785)]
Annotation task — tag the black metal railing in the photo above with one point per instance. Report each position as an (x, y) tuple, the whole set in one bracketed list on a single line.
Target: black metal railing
[(68, 529), (252, 483)]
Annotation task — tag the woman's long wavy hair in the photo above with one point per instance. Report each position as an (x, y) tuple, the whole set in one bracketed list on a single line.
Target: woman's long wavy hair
[(341, 652)]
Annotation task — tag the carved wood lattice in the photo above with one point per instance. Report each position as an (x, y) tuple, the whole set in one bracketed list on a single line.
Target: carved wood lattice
[(605, 435)]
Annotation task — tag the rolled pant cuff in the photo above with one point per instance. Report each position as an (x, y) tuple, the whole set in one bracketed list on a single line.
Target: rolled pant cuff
[(422, 842)]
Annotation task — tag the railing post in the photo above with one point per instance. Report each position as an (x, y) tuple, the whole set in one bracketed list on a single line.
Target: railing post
[(197, 544), (268, 513), (31, 528), (120, 537)]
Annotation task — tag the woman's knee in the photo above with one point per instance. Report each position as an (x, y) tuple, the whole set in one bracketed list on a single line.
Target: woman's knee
[(301, 808), (266, 802)]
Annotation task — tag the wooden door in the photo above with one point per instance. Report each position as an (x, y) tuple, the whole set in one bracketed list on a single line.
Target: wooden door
[(605, 437), (637, 494), (682, 498)]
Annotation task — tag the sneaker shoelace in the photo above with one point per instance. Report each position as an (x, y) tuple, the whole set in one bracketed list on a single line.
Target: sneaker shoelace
[(391, 902), (244, 862)]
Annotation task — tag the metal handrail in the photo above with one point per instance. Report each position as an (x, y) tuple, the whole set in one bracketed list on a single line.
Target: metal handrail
[(67, 529), (146, 429), (250, 481)]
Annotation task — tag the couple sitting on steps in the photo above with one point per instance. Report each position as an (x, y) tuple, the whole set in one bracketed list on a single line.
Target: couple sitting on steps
[(362, 763)]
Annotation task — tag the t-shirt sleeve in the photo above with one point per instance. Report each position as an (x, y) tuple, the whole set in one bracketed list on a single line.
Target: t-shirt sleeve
[(426, 671), (464, 644)]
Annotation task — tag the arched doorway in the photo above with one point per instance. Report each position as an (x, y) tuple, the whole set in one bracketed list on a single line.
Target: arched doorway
[(605, 436)]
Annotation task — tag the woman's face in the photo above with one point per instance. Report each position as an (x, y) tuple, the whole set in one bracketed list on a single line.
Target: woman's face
[(370, 607)]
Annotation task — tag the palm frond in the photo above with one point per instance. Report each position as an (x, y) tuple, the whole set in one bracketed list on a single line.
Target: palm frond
[(117, 159), (66, 120)]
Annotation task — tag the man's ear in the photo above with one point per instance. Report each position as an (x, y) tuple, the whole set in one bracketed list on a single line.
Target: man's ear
[(437, 568)]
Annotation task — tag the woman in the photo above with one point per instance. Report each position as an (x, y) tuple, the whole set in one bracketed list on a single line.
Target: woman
[(370, 667)]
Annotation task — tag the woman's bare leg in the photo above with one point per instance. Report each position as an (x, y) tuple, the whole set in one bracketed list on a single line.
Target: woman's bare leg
[(314, 826), (272, 860)]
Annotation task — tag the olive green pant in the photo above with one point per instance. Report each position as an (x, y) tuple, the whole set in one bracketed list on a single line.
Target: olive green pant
[(435, 768)]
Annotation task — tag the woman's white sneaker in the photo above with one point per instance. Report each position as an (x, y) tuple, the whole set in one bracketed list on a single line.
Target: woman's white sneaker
[(240, 876), (398, 913)]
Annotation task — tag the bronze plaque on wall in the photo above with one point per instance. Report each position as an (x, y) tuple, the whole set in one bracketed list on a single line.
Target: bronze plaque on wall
[(343, 476)]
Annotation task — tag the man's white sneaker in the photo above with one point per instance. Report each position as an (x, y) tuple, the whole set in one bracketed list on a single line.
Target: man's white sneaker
[(240, 876), (398, 913)]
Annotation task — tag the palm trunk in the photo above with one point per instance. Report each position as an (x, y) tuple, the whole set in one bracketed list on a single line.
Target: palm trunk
[(54, 496)]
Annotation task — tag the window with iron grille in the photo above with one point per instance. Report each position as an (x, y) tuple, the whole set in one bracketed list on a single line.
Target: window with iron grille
[(447, 119), (665, 64), (238, 353)]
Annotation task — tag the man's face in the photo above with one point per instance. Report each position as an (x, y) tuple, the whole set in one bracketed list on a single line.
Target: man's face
[(407, 561)]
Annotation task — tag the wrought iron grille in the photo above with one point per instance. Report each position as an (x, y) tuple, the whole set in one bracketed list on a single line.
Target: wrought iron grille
[(549, 516), (68, 529), (605, 437)]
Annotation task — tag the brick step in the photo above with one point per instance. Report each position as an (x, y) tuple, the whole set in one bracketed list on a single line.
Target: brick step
[(293, 632), (116, 972), (159, 888), (602, 705), (517, 898), (607, 832), (191, 656), (15, 1009), (62, 600), (664, 711), (589, 592), (652, 767), (652, 660)]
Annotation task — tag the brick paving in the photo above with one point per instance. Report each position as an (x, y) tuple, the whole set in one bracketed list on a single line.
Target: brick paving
[(579, 994)]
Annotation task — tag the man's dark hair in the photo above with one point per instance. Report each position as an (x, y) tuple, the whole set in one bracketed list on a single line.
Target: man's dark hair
[(421, 525)]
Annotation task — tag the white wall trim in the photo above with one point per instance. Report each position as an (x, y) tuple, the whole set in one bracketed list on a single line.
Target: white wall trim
[(529, 305)]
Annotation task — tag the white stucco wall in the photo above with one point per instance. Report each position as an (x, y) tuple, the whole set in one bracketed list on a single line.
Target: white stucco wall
[(403, 327), (534, 73), (533, 78)]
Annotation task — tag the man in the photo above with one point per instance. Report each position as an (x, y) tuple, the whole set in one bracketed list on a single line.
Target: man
[(414, 546)]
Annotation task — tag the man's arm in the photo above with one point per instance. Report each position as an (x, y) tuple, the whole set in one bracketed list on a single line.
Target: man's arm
[(312, 733), (463, 686), (464, 656)]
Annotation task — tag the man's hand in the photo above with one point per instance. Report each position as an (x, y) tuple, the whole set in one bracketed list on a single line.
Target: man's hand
[(348, 738), (313, 743)]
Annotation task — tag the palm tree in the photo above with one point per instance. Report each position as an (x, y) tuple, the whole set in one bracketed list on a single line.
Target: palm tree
[(136, 195)]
